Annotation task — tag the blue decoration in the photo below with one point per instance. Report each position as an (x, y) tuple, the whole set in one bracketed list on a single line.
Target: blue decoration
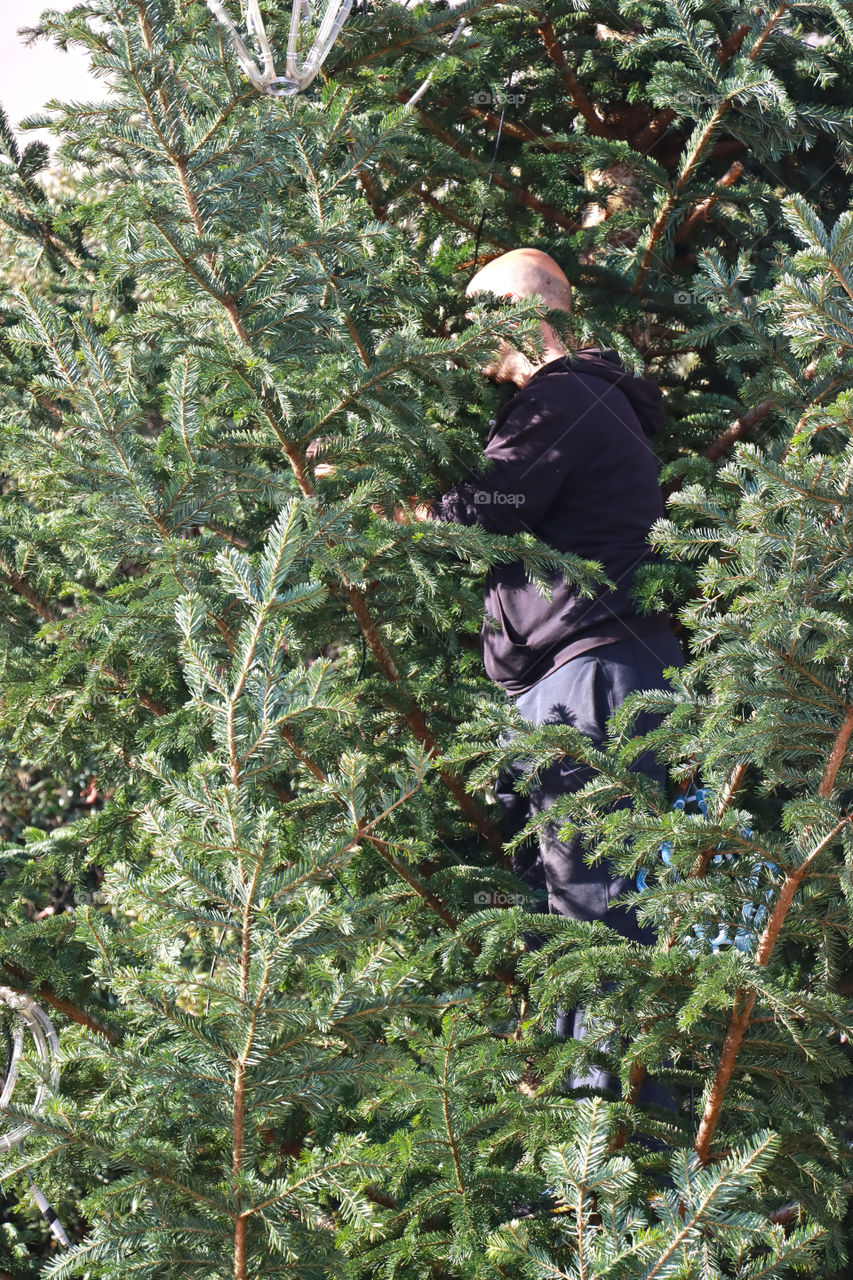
[(717, 935)]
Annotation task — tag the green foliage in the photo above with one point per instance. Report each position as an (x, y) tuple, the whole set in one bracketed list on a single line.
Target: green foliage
[(248, 743)]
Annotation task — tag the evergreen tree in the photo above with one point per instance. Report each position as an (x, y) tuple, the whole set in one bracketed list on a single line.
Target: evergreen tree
[(295, 1043)]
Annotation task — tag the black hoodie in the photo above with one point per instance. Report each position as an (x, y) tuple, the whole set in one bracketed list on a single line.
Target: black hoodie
[(572, 464)]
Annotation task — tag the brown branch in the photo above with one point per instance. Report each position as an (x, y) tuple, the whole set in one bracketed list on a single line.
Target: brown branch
[(745, 423), (635, 1084), (377, 1196), (371, 194), (720, 110), (402, 45), (725, 1066), (310, 764), (233, 538), (699, 213), (700, 867), (415, 720), (759, 44), (522, 194), (226, 633), (836, 757), (531, 201), (571, 84), (405, 873), (661, 221), (741, 1012), (239, 1120), (40, 606), (732, 43), (512, 129), (429, 199), (19, 584), (46, 993)]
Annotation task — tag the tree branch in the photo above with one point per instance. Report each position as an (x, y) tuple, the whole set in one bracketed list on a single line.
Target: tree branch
[(742, 1012), (522, 194), (745, 423), (405, 873), (60, 1003), (571, 84), (699, 213), (27, 592)]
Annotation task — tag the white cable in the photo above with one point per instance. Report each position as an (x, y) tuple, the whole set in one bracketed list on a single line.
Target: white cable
[(298, 74), (245, 59), (47, 1047), (46, 1208), (30, 1016), (421, 90)]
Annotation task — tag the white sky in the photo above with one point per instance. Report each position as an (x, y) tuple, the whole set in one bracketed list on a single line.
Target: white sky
[(29, 77)]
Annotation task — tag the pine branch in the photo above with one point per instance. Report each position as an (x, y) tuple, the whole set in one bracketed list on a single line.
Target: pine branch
[(660, 224), (239, 1122), (435, 903), (234, 538), (732, 43), (45, 611), (27, 592), (522, 194), (700, 870), (738, 429), (415, 720), (780, 11), (745, 1000), (700, 867), (512, 128), (371, 194), (427, 198), (699, 213), (579, 99), (23, 983)]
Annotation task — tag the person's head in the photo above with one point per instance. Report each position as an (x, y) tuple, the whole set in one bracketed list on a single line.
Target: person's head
[(524, 273)]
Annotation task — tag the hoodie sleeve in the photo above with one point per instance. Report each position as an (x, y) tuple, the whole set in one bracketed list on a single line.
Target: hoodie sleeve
[(530, 452)]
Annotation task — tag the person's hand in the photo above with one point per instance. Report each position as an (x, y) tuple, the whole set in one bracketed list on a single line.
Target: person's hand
[(414, 510), (420, 511)]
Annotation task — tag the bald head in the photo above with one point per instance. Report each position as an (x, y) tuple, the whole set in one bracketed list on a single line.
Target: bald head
[(524, 273), (519, 274)]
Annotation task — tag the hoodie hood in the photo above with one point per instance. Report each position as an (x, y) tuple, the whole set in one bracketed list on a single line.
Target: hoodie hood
[(644, 393)]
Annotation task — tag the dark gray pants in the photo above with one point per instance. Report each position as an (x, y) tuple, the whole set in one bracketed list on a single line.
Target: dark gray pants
[(584, 692)]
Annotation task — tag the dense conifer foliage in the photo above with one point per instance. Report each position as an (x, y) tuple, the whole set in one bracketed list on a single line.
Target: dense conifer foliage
[(252, 862)]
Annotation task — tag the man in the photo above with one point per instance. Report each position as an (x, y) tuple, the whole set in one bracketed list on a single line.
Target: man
[(571, 463)]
